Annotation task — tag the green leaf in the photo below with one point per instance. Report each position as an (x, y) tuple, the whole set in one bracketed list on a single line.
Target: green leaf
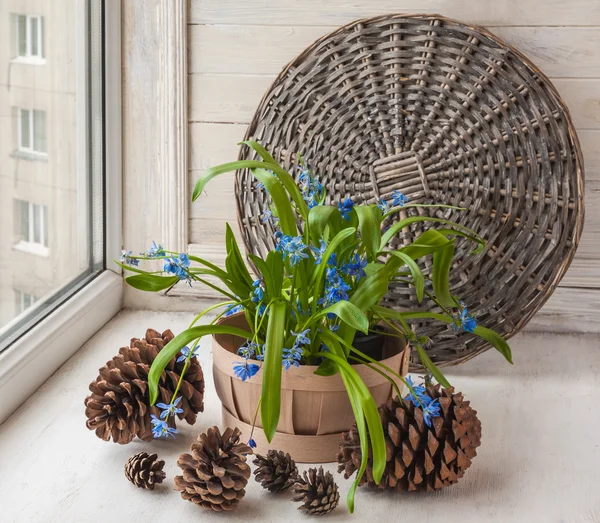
[(151, 282), (130, 268), (369, 226), (415, 270), (234, 263), (429, 242), (440, 275), (497, 341), (476, 239), (430, 366), (318, 218), (348, 313), (263, 153), (281, 201), (398, 226), (271, 387), (275, 265), (170, 350)]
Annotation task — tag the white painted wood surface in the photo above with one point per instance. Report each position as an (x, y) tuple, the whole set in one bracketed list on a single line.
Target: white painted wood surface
[(237, 48), (538, 461)]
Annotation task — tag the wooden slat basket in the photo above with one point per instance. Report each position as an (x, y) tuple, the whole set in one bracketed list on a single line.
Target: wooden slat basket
[(446, 113), (315, 410)]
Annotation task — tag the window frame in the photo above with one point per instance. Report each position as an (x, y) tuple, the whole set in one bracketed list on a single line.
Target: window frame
[(38, 353), (39, 57), (28, 243), (30, 149)]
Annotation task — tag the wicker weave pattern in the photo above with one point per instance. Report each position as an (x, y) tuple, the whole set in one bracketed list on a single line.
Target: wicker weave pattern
[(447, 113)]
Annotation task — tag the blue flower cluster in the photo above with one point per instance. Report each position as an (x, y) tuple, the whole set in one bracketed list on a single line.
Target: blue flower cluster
[(292, 357), (178, 265), (268, 217), (155, 251), (399, 199), (186, 354), (127, 258), (355, 268), (463, 320), (160, 426), (336, 289), (259, 291), (345, 207), (420, 399), (245, 370), (292, 247), (383, 205), (312, 189), (233, 309)]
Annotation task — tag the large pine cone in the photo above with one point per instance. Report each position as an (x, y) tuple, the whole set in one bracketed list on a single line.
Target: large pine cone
[(144, 470), (419, 457), (215, 473), (317, 491), (118, 407), (276, 471)]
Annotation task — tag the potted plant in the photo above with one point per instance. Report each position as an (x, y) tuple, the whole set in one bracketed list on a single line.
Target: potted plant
[(312, 313)]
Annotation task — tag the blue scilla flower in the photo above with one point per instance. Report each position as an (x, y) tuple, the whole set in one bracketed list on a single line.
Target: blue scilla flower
[(268, 217), (185, 354), (335, 292), (383, 205), (245, 370), (161, 429), (431, 410), (345, 207), (419, 397), (155, 250), (252, 443), (301, 337), (233, 309), (332, 261), (291, 358), (464, 320), (259, 292), (295, 249), (262, 308), (355, 268), (281, 242), (172, 409), (178, 266), (248, 349), (398, 199), (127, 259), (319, 251)]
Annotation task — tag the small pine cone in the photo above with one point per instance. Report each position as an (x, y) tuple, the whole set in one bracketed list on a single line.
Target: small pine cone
[(317, 491), (419, 457), (276, 472), (215, 473), (144, 470), (118, 407)]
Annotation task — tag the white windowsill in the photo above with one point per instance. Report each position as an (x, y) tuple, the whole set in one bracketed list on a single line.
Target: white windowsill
[(29, 60), (29, 155), (32, 248), (527, 468)]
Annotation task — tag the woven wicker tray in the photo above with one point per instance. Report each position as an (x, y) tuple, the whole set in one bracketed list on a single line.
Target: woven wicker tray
[(446, 113)]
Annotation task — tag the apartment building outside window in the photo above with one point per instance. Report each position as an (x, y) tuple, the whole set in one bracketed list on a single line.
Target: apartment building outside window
[(32, 131), (29, 36), (23, 301), (31, 225)]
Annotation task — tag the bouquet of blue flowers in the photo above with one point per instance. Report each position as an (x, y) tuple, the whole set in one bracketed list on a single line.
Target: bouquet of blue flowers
[(322, 283)]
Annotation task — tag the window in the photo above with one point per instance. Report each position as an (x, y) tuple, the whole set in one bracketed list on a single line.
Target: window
[(29, 36), (23, 301), (31, 224), (32, 131)]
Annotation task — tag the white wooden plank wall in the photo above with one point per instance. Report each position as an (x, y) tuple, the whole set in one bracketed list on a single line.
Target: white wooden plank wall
[(237, 48)]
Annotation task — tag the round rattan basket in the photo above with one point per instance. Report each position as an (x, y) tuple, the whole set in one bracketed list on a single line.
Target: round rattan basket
[(446, 113)]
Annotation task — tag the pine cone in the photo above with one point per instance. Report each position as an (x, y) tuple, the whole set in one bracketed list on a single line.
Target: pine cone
[(144, 470), (419, 457), (119, 405), (317, 491), (276, 472), (216, 472)]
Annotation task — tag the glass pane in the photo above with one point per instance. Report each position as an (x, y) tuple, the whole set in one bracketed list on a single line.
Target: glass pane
[(25, 129), (33, 31), (21, 35), (39, 131), (54, 245)]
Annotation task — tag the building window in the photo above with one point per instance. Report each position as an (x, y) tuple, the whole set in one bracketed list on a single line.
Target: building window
[(23, 301), (31, 224), (29, 36), (32, 131)]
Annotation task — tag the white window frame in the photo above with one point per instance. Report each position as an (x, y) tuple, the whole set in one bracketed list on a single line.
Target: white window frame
[(29, 244), (35, 356), (29, 57)]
